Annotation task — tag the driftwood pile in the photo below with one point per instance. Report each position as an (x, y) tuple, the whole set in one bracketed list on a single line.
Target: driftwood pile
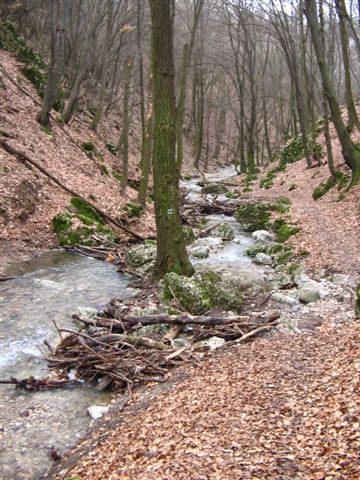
[(204, 205), (115, 353)]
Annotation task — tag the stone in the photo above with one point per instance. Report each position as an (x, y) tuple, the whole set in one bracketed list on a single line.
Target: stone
[(97, 411), (202, 291), (141, 254), (308, 295), (263, 259), (263, 236), (224, 231), (199, 251), (284, 299), (213, 342)]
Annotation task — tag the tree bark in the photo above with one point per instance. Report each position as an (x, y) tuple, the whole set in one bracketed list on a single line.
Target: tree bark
[(171, 251)]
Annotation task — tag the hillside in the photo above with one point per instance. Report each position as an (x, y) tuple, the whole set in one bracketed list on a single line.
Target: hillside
[(30, 200)]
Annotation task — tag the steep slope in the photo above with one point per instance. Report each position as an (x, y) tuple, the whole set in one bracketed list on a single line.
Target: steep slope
[(28, 199)]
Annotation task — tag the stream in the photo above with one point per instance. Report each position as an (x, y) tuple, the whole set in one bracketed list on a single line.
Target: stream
[(51, 288)]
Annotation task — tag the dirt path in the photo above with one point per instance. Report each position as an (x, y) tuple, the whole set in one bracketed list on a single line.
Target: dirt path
[(284, 408)]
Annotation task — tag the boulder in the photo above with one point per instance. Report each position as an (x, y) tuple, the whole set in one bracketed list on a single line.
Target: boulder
[(97, 411), (224, 231), (201, 292), (263, 236), (141, 254), (284, 299), (199, 251), (308, 295), (263, 259)]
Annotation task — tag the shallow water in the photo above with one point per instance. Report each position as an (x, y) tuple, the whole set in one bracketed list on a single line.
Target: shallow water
[(52, 287)]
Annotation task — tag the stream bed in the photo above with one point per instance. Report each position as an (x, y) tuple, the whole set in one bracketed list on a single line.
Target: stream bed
[(52, 287)]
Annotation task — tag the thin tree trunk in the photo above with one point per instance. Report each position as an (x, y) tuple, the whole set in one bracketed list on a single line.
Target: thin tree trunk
[(58, 14), (104, 65), (123, 145)]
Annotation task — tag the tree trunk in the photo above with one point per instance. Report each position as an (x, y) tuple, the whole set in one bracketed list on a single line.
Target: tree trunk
[(344, 38), (171, 251), (56, 65), (349, 150), (123, 145), (104, 65)]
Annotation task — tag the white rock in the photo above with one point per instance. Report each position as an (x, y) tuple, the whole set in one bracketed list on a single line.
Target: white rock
[(263, 259), (285, 299), (97, 411), (262, 236)]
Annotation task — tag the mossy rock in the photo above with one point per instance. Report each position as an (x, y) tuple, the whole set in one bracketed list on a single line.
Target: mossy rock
[(140, 255), (224, 231), (201, 292), (133, 210), (214, 188), (188, 235), (281, 254)]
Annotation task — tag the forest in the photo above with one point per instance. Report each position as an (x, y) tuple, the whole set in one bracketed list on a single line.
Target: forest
[(179, 239)]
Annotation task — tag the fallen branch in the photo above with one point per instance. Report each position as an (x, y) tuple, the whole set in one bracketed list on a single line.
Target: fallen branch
[(33, 383)]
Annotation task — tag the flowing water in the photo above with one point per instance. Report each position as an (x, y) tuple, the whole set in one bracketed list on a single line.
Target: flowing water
[(52, 287)]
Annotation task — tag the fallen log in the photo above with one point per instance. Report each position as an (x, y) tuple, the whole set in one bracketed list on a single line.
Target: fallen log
[(33, 384)]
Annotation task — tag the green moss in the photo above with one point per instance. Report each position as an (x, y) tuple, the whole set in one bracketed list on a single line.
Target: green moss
[(35, 76), (342, 180), (92, 198), (323, 188), (293, 186), (88, 146), (280, 253), (117, 176), (253, 216), (104, 171), (283, 230), (133, 210), (111, 148), (232, 195), (357, 302), (84, 209), (282, 205), (202, 291), (61, 222), (214, 188), (48, 131), (188, 235), (187, 177)]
